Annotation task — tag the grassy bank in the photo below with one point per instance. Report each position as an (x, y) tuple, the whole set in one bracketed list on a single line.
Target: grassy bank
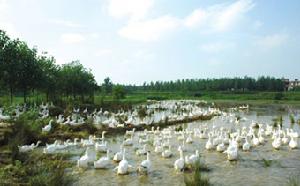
[(131, 98), (225, 96)]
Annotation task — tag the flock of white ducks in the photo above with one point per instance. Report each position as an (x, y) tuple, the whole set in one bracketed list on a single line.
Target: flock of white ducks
[(218, 139), (157, 141), (154, 113)]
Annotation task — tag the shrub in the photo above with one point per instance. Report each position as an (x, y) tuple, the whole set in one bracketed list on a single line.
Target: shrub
[(293, 181), (278, 96), (197, 179), (36, 170), (197, 94), (142, 112), (156, 98), (292, 119), (55, 111)]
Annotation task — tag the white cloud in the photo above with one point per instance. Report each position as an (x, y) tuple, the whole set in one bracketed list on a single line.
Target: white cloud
[(3, 6), (5, 23), (149, 30), (219, 17), (72, 38), (94, 35), (216, 47), (103, 52), (133, 9), (66, 23), (231, 14), (272, 41), (257, 24), (214, 62), (196, 18)]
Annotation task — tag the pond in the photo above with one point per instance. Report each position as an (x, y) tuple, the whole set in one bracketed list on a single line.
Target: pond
[(249, 169)]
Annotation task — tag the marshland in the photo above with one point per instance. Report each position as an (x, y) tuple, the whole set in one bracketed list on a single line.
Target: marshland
[(147, 92)]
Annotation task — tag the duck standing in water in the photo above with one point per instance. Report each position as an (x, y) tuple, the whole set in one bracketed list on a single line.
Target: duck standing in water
[(293, 143), (232, 151), (179, 163), (246, 145), (103, 162), (119, 155), (145, 166), (123, 166)]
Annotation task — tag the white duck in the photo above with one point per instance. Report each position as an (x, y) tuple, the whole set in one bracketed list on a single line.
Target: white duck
[(142, 151), (193, 158), (101, 147), (158, 149), (130, 132), (60, 119), (167, 153), (47, 128), (103, 162), (246, 145), (182, 147), (179, 163), (27, 148), (129, 141), (189, 139), (293, 143), (209, 144), (232, 151), (285, 140), (261, 139), (123, 166), (86, 158), (119, 155), (221, 147), (145, 166), (255, 141), (50, 148), (277, 142), (68, 121)]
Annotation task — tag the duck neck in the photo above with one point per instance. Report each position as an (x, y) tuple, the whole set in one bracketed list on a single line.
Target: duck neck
[(181, 154), (124, 151)]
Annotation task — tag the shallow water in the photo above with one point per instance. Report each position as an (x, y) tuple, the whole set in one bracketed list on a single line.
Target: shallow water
[(248, 170)]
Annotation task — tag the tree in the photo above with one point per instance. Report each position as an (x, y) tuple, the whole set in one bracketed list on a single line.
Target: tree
[(118, 92), (49, 76), (107, 85), (27, 69), (10, 66)]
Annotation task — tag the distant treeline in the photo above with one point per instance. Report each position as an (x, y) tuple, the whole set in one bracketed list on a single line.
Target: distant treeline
[(23, 71), (222, 84)]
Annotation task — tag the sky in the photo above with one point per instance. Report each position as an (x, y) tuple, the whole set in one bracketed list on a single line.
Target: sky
[(133, 41)]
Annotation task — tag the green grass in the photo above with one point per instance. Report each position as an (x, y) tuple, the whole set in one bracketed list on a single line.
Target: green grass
[(37, 169), (293, 181), (221, 96), (292, 119), (267, 163), (197, 178), (216, 96)]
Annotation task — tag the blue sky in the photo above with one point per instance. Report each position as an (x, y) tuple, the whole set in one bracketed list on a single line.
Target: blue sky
[(132, 41)]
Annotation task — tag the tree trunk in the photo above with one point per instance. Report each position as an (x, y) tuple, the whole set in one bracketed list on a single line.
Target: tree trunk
[(82, 98), (24, 96), (11, 95), (47, 96)]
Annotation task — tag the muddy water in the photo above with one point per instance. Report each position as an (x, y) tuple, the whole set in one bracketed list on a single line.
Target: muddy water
[(248, 170)]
